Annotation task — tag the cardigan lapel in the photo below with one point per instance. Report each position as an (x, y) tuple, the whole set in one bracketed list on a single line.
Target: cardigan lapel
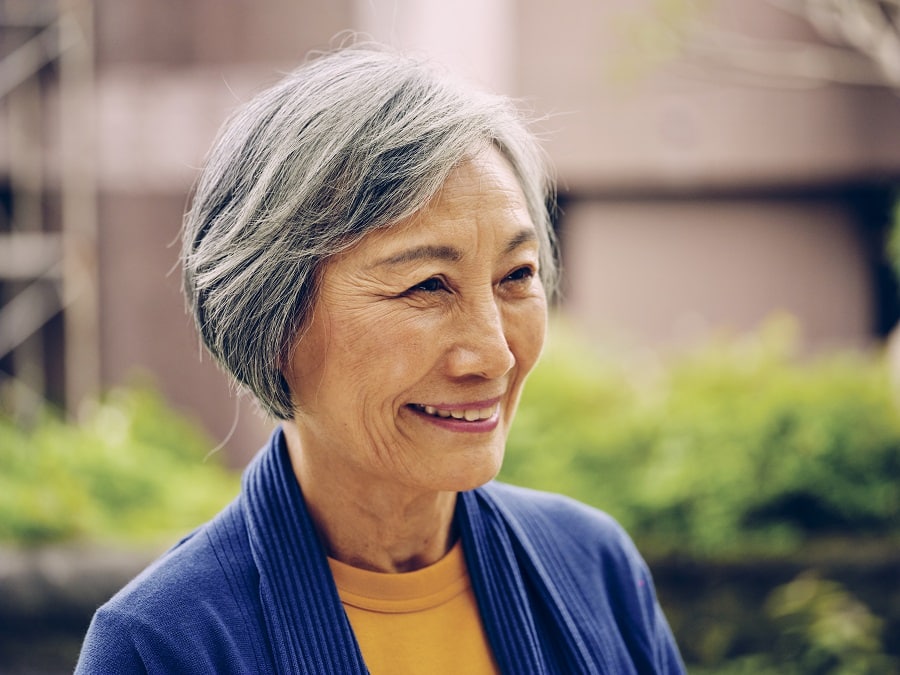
[(306, 623), (499, 587), (531, 614)]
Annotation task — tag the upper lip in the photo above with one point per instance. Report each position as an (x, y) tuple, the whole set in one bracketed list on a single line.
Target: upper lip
[(469, 405)]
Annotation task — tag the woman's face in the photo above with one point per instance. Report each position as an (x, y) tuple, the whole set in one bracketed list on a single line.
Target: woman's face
[(410, 372)]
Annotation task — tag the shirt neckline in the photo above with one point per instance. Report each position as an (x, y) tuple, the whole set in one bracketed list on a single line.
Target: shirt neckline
[(414, 591)]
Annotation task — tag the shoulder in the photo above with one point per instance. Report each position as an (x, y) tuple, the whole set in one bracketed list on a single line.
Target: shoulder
[(591, 541), (578, 540), (567, 521), (196, 604), (194, 569), (589, 558)]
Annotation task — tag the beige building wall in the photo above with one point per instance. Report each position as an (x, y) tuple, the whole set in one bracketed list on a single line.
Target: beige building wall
[(700, 195), (618, 123), (675, 272), (473, 38)]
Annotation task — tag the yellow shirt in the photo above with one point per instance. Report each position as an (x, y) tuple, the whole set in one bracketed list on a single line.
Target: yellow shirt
[(425, 621)]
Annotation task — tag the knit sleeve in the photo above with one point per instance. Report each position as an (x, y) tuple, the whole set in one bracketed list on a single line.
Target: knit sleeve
[(121, 643), (111, 646), (668, 658), (630, 586), (662, 648)]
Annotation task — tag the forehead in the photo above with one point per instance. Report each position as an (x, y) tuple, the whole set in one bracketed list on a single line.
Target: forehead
[(480, 200), (485, 176)]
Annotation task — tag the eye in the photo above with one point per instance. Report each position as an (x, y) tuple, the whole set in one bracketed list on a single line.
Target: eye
[(430, 285), (524, 273)]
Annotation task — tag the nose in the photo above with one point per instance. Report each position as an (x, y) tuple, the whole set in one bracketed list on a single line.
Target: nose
[(480, 346)]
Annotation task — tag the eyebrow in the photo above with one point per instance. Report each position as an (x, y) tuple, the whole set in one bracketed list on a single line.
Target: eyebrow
[(450, 253), (422, 253), (523, 236)]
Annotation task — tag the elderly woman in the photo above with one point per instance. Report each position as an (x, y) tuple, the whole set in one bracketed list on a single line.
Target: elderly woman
[(369, 253)]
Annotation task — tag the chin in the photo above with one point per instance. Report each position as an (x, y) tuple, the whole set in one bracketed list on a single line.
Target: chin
[(476, 475), (475, 483)]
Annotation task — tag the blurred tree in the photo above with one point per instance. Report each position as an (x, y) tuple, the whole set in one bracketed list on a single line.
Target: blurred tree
[(858, 43), (870, 26)]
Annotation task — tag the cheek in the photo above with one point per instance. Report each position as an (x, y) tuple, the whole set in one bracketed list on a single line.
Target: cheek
[(527, 332), (305, 370), (387, 352)]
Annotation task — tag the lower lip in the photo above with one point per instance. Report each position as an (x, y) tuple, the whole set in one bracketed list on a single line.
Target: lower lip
[(452, 424)]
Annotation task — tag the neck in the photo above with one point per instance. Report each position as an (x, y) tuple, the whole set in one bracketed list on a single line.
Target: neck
[(367, 524)]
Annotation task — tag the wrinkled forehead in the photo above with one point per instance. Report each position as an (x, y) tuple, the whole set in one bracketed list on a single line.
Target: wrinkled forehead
[(480, 200)]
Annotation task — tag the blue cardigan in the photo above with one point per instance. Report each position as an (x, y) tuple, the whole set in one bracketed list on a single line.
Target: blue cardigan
[(560, 587)]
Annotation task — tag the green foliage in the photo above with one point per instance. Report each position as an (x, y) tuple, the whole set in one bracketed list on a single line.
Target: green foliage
[(825, 630), (132, 470), (822, 630), (735, 448), (893, 241)]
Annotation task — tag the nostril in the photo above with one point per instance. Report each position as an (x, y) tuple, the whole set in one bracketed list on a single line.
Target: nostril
[(487, 360)]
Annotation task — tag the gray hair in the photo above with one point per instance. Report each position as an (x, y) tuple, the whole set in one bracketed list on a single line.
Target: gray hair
[(352, 141)]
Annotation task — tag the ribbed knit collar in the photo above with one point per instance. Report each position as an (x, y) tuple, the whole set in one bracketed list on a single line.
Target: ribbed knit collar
[(306, 623)]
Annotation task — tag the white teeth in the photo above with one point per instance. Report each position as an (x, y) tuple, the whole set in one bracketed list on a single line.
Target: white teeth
[(469, 415)]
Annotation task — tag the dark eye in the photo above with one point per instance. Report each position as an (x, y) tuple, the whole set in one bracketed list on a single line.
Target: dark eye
[(432, 285), (521, 274)]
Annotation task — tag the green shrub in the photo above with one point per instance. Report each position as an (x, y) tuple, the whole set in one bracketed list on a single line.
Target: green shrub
[(131, 471), (824, 629), (734, 448), (821, 629)]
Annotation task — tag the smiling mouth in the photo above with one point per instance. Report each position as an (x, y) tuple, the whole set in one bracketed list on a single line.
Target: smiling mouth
[(469, 414)]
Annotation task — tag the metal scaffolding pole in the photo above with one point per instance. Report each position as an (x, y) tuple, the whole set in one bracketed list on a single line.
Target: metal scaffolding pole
[(49, 265), (79, 202)]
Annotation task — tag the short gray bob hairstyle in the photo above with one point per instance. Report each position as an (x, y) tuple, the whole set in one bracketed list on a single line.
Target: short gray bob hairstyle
[(352, 141)]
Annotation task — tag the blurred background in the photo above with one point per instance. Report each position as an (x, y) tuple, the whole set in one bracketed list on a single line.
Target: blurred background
[(720, 355)]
